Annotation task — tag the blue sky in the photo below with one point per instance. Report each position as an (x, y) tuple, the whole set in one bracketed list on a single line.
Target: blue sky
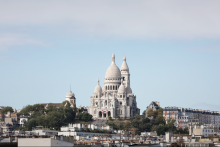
[(172, 50)]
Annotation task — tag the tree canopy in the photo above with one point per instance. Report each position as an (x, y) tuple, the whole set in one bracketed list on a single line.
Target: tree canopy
[(84, 116), (154, 122), (7, 109), (51, 117)]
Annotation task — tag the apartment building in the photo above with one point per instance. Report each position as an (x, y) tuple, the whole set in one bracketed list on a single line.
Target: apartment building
[(205, 130), (186, 117), (172, 112)]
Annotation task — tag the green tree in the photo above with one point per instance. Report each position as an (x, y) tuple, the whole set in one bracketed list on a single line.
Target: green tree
[(160, 120), (150, 112), (118, 116), (7, 109), (26, 110), (161, 130), (30, 123), (146, 120), (74, 108), (50, 108), (127, 125), (81, 110), (144, 112), (84, 116), (55, 119), (170, 125), (154, 128), (64, 103), (135, 122)]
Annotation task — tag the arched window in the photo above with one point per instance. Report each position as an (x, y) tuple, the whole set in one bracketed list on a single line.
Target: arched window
[(110, 87), (116, 87), (113, 87), (106, 88)]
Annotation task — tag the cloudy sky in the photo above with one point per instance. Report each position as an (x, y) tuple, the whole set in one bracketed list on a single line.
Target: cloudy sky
[(172, 50)]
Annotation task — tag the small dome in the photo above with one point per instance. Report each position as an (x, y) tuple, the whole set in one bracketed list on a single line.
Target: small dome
[(70, 94), (98, 89), (121, 88), (128, 90), (124, 66), (113, 70)]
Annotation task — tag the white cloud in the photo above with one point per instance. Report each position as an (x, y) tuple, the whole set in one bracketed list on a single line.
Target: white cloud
[(140, 18)]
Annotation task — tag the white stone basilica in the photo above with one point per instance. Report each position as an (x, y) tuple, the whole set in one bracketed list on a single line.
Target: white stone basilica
[(116, 97)]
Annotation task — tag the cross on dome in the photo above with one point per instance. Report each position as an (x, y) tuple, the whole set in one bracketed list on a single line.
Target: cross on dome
[(98, 81), (113, 58)]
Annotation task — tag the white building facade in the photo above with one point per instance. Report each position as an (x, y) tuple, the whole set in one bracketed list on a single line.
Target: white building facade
[(116, 97)]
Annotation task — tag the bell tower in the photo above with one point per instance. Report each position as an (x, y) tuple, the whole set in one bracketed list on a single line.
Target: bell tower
[(125, 73)]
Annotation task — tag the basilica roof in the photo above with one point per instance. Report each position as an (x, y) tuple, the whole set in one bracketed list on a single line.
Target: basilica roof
[(124, 66), (113, 70), (121, 88), (128, 90), (98, 88)]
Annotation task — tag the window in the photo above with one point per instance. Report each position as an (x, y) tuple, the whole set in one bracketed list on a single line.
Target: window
[(123, 78), (113, 87), (120, 96), (120, 103)]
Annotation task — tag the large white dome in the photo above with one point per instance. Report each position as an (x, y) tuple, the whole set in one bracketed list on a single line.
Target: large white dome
[(113, 70), (98, 88)]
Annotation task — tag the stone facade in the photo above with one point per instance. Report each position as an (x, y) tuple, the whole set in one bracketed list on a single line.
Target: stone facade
[(116, 97)]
